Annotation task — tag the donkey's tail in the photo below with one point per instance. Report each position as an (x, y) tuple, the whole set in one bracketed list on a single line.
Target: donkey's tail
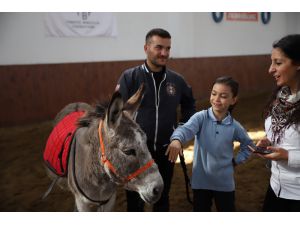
[(72, 107), (50, 188)]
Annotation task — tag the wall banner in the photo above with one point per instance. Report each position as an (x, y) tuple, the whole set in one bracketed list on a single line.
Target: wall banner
[(242, 16), (80, 24)]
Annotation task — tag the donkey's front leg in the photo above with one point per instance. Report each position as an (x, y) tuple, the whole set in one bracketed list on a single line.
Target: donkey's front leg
[(83, 206), (109, 206)]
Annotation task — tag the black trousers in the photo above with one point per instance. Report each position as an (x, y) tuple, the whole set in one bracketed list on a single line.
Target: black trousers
[(202, 200), (273, 203), (166, 169)]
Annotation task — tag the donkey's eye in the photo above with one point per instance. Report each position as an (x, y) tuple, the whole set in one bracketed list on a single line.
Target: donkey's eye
[(130, 152)]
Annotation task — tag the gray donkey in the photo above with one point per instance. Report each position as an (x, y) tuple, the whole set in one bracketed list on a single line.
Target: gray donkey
[(107, 150)]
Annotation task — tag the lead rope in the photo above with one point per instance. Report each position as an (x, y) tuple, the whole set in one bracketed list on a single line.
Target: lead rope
[(98, 202), (186, 179)]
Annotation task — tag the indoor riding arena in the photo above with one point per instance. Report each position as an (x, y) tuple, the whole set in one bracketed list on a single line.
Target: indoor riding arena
[(44, 67)]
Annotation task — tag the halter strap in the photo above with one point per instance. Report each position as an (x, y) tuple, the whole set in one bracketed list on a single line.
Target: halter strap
[(110, 165), (140, 170), (103, 156)]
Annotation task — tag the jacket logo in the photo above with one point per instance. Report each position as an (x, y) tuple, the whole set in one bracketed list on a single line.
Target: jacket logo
[(171, 89)]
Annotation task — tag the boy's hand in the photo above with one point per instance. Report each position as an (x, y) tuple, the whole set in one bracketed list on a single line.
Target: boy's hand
[(173, 150), (264, 142)]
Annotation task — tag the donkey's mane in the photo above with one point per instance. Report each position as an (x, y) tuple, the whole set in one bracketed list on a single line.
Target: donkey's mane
[(97, 112)]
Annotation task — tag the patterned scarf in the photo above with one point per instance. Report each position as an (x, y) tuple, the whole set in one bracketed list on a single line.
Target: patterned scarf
[(283, 108)]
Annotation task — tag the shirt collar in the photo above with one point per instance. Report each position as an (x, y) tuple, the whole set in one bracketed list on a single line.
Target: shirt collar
[(226, 121), (147, 69)]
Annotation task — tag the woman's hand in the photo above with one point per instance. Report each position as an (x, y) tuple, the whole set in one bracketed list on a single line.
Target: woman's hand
[(277, 153), (173, 150)]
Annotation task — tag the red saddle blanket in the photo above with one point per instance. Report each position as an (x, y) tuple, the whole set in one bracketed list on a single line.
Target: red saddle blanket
[(57, 149)]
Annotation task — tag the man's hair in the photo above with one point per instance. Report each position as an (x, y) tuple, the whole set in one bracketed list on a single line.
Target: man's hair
[(157, 32)]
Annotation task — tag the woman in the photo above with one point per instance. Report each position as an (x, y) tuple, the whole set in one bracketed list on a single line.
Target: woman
[(282, 126)]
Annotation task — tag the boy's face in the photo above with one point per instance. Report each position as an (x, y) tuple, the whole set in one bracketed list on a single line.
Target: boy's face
[(221, 98)]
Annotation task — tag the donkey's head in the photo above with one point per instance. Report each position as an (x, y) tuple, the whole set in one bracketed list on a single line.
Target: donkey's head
[(127, 158)]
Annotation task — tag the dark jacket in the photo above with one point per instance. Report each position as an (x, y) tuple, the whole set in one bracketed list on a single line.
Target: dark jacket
[(157, 115)]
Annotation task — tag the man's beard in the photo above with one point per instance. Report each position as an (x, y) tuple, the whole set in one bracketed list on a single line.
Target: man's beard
[(157, 64)]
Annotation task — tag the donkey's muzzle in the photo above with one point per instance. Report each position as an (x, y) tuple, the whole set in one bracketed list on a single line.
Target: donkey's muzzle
[(157, 191)]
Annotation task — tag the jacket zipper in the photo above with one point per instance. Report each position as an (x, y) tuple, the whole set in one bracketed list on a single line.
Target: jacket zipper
[(156, 108)]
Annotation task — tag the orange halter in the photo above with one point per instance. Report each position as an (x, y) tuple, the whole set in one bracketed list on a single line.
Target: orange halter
[(109, 164)]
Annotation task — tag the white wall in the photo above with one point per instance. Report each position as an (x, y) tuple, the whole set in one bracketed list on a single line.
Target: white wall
[(293, 25), (237, 37), (23, 40)]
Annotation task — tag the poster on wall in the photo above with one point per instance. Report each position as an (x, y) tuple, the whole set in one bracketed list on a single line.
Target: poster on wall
[(80, 24), (242, 16)]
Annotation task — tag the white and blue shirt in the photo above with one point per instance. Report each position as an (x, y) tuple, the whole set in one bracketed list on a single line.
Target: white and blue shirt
[(213, 149)]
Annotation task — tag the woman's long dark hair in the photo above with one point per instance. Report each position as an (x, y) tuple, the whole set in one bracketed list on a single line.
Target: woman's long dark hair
[(270, 102)]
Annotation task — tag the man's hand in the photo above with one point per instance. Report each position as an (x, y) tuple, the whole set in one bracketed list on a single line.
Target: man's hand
[(173, 150)]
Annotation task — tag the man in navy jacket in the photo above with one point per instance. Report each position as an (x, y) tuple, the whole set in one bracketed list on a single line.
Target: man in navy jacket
[(165, 90)]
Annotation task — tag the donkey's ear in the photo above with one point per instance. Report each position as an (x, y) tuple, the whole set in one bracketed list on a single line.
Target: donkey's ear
[(114, 112), (134, 102)]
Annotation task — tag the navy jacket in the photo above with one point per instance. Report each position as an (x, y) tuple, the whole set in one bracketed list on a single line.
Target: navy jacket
[(157, 115)]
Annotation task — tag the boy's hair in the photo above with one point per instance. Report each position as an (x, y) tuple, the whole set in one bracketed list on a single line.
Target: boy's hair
[(230, 82), (157, 32)]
